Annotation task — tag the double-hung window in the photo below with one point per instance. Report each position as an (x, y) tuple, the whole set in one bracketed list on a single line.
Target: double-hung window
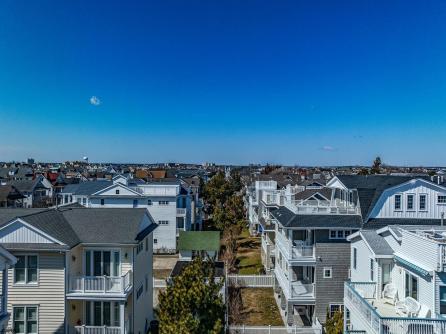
[(422, 202), (410, 202), (441, 199), (24, 319), (25, 270), (397, 202)]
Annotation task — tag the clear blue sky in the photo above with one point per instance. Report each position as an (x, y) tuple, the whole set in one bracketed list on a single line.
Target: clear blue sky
[(291, 82)]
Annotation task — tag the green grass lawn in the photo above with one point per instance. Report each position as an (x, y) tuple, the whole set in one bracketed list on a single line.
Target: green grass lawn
[(249, 261)]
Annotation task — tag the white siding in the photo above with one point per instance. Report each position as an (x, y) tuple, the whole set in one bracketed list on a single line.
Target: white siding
[(385, 207), (362, 271), (48, 295), (419, 250), (18, 232)]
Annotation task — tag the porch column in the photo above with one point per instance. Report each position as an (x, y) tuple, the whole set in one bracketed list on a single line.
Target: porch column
[(121, 316)]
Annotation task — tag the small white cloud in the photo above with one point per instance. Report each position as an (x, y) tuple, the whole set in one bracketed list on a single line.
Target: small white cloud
[(94, 100), (328, 148)]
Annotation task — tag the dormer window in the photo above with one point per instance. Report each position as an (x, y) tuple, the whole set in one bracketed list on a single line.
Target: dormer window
[(117, 191), (397, 202)]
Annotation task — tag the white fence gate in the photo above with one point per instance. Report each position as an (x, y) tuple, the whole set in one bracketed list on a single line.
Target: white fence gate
[(250, 281)]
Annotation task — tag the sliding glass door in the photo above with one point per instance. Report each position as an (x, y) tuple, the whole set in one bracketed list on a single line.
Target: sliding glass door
[(102, 314), (102, 263)]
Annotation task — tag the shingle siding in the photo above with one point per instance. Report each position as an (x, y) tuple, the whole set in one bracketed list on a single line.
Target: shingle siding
[(331, 290)]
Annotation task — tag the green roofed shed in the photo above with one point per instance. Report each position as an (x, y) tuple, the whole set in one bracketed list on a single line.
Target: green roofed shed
[(199, 241)]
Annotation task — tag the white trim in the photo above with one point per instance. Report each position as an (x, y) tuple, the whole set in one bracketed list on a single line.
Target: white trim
[(98, 193), (25, 283), (25, 306), (327, 268)]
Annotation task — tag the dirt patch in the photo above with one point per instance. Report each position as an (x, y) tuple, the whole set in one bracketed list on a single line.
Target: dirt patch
[(259, 308), (164, 261), (161, 273)]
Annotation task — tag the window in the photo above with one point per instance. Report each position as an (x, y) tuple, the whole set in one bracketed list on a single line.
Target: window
[(339, 234), (355, 257), (163, 222), (372, 270), (149, 202), (411, 286), (25, 319), (84, 201), (135, 203), (441, 199), (336, 308), (422, 202), (102, 201), (139, 248), (397, 202), (327, 272), (139, 291), (443, 299), (155, 241), (117, 191), (163, 202), (25, 270), (410, 202)]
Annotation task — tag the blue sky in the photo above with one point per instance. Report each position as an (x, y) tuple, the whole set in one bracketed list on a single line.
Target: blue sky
[(290, 82)]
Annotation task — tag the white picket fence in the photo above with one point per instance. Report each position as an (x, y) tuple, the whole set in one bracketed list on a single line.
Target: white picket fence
[(272, 330), (250, 281)]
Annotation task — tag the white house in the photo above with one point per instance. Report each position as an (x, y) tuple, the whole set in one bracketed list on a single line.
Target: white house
[(7, 260), (79, 270), (171, 204)]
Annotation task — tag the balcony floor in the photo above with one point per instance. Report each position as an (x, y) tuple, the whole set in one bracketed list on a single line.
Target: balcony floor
[(384, 309)]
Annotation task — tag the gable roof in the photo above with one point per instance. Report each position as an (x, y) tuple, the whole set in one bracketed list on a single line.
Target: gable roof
[(74, 225), (303, 195), (287, 218), (377, 243)]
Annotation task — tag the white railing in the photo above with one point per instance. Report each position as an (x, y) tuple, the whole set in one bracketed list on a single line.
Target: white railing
[(300, 290), (273, 330), (319, 207), (355, 295), (299, 251), (250, 281), (100, 284), (96, 330), (181, 211)]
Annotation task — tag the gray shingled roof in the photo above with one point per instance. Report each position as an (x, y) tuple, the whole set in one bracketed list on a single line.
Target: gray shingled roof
[(72, 226), (378, 244), (104, 225), (86, 188), (289, 219)]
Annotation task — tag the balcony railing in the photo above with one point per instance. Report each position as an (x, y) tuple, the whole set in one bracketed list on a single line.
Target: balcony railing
[(294, 290), (181, 212), (296, 250), (95, 330), (322, 207), (101, 284), (355, 298)]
